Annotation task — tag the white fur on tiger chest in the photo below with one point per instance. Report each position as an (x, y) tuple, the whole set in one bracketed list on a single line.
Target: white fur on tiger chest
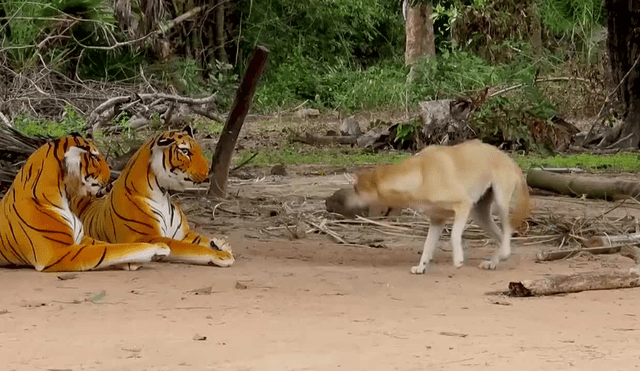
[(168, 218), (72, 220)]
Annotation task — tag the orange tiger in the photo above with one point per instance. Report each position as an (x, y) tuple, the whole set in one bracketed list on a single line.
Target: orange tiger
[(37, 227), (138, 207)]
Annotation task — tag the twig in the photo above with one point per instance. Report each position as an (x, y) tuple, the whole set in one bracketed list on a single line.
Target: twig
[(245, 161), (209, 115), (5, 120), (551, 79), (326, 230), (619, 141)]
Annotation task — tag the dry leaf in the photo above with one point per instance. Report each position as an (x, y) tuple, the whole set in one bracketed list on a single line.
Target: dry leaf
[(202, 291), (500, 302), (197, 337), (97, 298), (68, 276), (447, 333)]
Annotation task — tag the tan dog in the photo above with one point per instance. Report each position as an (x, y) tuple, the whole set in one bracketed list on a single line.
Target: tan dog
[(453, 182)]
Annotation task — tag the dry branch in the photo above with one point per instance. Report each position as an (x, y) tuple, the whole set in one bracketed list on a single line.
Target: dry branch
[(559, 284), (95, 117), (210, 115), (578, 187)]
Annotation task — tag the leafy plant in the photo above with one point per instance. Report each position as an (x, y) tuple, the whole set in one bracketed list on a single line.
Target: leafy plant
[(71, 122)]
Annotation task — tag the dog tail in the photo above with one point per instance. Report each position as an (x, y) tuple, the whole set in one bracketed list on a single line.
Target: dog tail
[(523, 203)]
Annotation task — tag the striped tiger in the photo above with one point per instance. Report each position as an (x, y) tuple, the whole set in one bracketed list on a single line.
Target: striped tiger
[(37, 226), (138, 207)]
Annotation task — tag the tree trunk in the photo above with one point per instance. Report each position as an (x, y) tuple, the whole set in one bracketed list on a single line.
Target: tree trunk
[(623, 45), (244, 96), (420, 38), (221, 53)]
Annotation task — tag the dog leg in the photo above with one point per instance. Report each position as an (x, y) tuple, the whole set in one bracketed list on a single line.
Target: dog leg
[(459, 222), (504, 250), (435, 230)]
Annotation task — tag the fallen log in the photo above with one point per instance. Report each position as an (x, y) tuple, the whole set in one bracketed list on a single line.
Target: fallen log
[(631, 252), (622, 239), (562, 254), (578, 187), (561, 284)]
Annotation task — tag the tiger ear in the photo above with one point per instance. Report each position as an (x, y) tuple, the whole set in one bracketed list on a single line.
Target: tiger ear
[(190, 131)]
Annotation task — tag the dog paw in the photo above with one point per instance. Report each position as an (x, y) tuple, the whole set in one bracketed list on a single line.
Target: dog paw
[(418, 269), (219, 244), (488, 264)]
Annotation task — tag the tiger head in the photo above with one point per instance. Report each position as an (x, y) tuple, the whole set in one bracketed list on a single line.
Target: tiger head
[(85, 170), (177, 160)]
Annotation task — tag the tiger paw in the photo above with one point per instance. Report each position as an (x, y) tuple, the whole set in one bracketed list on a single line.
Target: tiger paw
[(130, 266), (220, 244), (162, 249)]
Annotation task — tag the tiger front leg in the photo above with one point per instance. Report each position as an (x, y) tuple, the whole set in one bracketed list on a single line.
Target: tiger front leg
[(192, 253), (89, 256), (218, 244)]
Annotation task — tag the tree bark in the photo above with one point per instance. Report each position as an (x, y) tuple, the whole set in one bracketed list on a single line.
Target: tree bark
[(244, 97), (623, 45), (420, 38), (578, 187)]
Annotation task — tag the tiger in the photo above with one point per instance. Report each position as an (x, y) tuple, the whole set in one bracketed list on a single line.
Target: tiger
[(38, 228), (138, 207)]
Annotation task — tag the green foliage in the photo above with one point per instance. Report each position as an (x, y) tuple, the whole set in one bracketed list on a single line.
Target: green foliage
[(186, 77), (578, 26), (332, 86), (352, 32), (318, 46), (71, 122), (67, 35), (506, 118)]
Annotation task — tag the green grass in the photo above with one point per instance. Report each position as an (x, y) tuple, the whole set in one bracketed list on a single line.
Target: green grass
[(619, 162), (292, 155), (295, 155), (71, 122)]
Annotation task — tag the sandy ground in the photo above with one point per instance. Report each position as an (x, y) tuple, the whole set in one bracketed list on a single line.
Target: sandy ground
[(310, 304)]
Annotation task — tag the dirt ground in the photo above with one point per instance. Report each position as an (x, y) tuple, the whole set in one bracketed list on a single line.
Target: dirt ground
[(312, 304)]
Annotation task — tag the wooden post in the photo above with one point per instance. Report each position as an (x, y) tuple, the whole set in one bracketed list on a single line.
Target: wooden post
[(244, 97)]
